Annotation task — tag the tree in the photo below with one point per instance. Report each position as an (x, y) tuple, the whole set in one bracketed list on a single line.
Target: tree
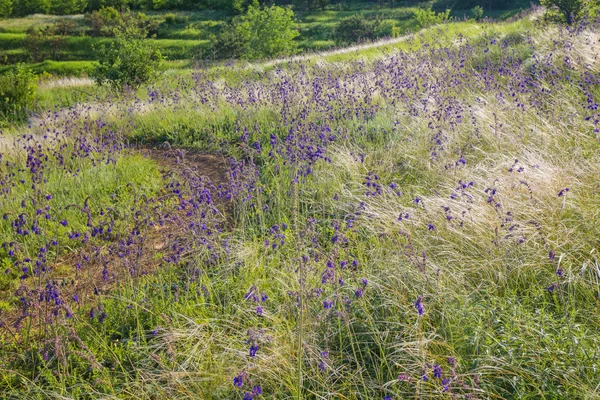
[(68, 7), (355, 28), (269, 31), (6, 8), (570, 10), (131, 60), (28, 7), (428, 17), (17, 93), (260, 33)]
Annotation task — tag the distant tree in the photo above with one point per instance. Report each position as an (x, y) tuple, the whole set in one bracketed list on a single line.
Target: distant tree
[(17, 92), (593, 8), (131, 60), (28, 7), (311, 5), (6, 8), (42, 43), (270, 31), (477, 13), (260, 33), (68, 7), (570, 10), (34, 44), (428, 17), (355, 28)]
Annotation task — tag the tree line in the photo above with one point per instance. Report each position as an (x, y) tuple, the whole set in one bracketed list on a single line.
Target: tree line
[(18, 8)]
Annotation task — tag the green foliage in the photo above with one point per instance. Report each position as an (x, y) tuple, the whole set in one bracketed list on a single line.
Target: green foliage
[(17, 93), (47, 42), (34, 43), (568, 11), (428, 17), (355, 28), (593, 9), (311, 5), (486, 4), (68, 7), (477, 13), (270, 31), (170, 18), (260, 33), (108, 20), (28, 7), (129, 61), (6, 8)]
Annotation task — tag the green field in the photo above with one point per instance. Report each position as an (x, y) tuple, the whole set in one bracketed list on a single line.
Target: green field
[(188, 38)]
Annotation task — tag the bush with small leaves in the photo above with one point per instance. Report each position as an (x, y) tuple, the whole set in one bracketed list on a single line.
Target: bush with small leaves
[(567, 11), (6, 8), (260, 33), (17, 93), (130, 61), (477, 13), (356, 28), (428, 17)]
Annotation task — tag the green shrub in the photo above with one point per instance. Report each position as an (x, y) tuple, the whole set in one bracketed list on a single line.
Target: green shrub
[(229, 44), (428, 17), (130, 61), (170, 19), (386, 28), (260, 33), (28, 7), (46, 43), (103, 21), (34, 44), (592, 9), (567, 11), (477, 13), (17, 92), (67, 7), (6, 8), (107, 20), (355, 28)]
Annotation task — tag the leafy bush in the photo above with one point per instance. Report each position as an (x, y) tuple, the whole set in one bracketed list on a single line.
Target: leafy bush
[(387, 28), (428, 17), (593, 9), (477, 13), (34, 43), (170, 18), (260, 33), (103, 21), (130, 61), (17, 92), (27, 7), (229, 44), (355, 28), (66, 26), (46, 43), (108, 20), (567, 11), (6, 8), (67, 7)]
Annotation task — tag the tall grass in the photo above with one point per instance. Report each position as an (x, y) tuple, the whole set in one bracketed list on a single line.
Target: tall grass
[(420, 223)]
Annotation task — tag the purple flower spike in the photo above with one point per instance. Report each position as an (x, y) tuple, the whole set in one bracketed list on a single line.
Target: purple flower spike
[(419, 305)]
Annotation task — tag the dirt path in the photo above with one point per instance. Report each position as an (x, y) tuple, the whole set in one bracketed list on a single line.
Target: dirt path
[(194, 171)]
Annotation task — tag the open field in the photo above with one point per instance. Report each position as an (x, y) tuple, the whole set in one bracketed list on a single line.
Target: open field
[(416, 218)]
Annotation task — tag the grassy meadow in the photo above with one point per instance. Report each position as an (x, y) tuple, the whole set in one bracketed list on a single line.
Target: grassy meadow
[(415, 218), (185, 39)]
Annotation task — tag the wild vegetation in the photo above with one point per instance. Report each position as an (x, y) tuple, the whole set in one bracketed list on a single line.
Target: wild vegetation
[(186, 35), (416, 218)]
